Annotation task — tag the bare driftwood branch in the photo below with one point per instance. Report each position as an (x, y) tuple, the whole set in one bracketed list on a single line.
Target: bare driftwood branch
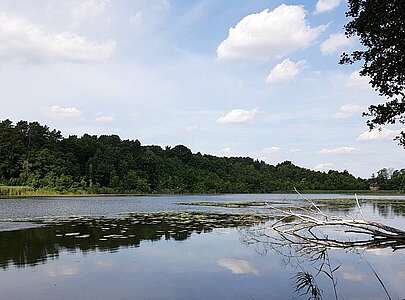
[(311, 226), (304, 235)]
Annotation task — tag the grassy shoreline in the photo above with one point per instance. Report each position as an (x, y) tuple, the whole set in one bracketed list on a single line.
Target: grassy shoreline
[(7, 192)]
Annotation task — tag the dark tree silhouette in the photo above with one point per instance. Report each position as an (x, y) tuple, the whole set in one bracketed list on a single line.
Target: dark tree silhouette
[(33, 155), (380, 27)]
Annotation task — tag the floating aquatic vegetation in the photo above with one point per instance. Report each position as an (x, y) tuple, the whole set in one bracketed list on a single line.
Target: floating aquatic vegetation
[(87, 233), (82, 236), (339, 205), (226, 204)]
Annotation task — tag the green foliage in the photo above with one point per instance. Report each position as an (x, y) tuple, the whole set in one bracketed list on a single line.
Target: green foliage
[(380, 27), (33, 155), (388, 179)]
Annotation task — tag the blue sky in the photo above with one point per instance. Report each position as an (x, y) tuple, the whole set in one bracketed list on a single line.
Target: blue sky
[(229, 78)]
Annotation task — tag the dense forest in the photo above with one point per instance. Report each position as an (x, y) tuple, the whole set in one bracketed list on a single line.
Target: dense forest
[(33, 155)]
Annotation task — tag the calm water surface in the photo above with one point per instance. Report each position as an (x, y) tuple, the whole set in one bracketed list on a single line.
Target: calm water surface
[(153, 248)]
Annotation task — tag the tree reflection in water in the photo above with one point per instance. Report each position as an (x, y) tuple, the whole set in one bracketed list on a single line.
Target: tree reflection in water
[(89, 234)]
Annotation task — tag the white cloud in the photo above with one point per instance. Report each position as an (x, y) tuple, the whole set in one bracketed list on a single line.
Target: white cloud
[(237, 266), (137, 19), (237, 116), (104, 119), (324, 166), (162, 5), (90, 8), (326, 5), (270, 150), (378, 135), (380, 252), (348, 110), (284, 71), (59, 112), (339, 150), (192, 128), (349, 273), (62, 271), (23, 41), (270, 34), (336, 42), (353, 276), (104, 264), (295, 150), (225, 151), (357, 81), (149, 15)]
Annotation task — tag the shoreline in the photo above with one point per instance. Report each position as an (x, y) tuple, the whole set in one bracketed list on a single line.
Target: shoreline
[(89, 195)]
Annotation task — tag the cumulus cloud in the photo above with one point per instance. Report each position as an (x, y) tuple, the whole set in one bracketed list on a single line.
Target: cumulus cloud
[(149, 15), (295, 150), (237, 116), (90, 8), (284, 71), (326, 5), (339, 150), (324, 166), (62, 271), (379, 135), (59, 112), (271, 150), (102, 264), (237, 266), (355, 277), (270, 34), (104, 119), (336, 42), (24, 41), (192, 128), (348, 110), (380, 252), (357, 81), (225, 151), (349, 273)]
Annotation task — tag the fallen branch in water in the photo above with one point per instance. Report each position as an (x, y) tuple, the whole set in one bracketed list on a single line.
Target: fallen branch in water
[(305, 234), (311, 226)]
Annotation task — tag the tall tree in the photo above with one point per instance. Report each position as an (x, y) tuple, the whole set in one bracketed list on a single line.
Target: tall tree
[(380, 27)]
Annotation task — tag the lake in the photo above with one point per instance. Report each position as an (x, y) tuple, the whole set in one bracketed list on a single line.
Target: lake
[(187, 247)]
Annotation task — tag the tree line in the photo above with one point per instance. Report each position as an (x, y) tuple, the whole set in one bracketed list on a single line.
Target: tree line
[(33, 155), (389, 179)]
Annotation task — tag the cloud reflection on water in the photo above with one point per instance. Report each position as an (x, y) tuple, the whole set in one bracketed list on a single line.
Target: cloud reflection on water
[(237, 266)]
